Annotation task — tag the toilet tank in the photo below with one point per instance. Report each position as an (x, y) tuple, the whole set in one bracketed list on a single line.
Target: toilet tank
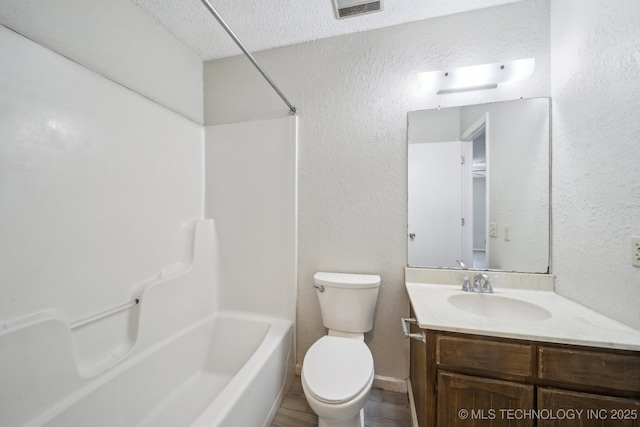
[(348, 300)]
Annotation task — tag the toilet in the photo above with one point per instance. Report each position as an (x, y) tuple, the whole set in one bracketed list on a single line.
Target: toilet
[(337, 370)]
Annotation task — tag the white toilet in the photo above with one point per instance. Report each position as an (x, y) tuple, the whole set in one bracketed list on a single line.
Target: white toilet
[(337, 371)]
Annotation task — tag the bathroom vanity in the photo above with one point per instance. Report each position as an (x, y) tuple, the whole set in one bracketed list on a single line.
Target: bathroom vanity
[(457, 378), (564, 365)]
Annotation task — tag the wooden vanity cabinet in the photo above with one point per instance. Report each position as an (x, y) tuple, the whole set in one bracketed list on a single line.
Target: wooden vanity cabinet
[(470, 380)]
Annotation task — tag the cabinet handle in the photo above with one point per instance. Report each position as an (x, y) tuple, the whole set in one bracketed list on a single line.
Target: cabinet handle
[(405, 329)]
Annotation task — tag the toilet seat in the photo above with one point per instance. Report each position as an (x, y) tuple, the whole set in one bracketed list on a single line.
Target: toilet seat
[(337, 369)]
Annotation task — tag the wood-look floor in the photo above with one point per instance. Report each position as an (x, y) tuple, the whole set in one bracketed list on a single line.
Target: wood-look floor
[(383, 409)]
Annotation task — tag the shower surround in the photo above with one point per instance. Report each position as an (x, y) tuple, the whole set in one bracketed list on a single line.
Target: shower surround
[(118, 297)]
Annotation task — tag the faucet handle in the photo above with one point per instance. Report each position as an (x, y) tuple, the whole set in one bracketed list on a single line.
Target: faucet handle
[(466, 285), (482, 283), (487, 286)]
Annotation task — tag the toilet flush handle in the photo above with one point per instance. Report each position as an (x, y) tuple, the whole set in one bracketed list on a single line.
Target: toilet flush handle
[(319, 287)]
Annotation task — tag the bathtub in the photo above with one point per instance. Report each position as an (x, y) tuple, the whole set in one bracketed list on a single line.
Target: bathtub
[(173, 358), (231, 369)]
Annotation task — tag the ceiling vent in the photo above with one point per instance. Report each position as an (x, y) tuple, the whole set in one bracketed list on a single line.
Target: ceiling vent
[(350, 8)]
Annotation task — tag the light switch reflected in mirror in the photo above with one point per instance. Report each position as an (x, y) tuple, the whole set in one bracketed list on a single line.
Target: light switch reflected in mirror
[(478, 179)]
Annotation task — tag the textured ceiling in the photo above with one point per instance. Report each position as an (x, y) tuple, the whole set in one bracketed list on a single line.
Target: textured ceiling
[(266, 24)]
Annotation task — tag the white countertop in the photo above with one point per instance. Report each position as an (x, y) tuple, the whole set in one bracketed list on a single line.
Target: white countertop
[(568, 323)]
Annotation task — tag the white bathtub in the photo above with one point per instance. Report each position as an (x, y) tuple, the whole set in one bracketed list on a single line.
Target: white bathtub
[(228, 370), (173, 360)]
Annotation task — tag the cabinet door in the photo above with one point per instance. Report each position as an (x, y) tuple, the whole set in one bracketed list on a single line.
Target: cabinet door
[(561, 408), (473, 401)]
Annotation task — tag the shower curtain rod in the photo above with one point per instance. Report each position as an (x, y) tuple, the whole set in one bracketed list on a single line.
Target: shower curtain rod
[(216, 15)]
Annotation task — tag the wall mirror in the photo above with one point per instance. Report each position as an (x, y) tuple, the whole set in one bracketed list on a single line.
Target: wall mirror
[(478, 179)]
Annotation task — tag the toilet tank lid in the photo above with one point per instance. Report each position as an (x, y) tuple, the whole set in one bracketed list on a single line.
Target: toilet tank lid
[(347, 280)]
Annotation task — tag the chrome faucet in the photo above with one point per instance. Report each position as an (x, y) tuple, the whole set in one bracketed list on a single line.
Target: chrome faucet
[(481, 281)]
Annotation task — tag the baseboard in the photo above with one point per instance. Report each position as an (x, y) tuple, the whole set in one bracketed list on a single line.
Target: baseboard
[(412, 404), (389, 384)]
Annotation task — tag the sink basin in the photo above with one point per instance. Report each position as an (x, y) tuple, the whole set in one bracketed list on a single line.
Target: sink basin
[(498, 307)]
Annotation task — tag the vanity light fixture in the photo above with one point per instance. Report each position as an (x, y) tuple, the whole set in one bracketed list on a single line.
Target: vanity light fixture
[(478, 77)]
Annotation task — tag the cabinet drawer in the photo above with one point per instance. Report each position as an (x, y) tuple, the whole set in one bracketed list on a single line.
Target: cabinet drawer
[(501, 358), (592, 368)]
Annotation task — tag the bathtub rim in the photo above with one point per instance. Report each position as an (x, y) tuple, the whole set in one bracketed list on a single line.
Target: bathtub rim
[(277, 327), (280, 330)]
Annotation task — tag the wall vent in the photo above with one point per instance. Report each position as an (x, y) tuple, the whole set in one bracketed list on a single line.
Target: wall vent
[(351, 8)]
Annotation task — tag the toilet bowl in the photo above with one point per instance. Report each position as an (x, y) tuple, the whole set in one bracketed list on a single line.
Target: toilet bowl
[(337, 375), (337, 370)]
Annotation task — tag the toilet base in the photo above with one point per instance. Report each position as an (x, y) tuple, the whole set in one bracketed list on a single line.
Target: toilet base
[(356, 421)]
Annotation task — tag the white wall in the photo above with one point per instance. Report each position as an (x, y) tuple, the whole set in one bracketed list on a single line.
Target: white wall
[(353, 93), (115, 39), (596, 153), (251, 194), (98, 185)]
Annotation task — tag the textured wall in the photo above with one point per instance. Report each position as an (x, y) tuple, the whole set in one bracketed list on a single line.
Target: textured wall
[(353, 93), (117, 40), (596, 153)]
